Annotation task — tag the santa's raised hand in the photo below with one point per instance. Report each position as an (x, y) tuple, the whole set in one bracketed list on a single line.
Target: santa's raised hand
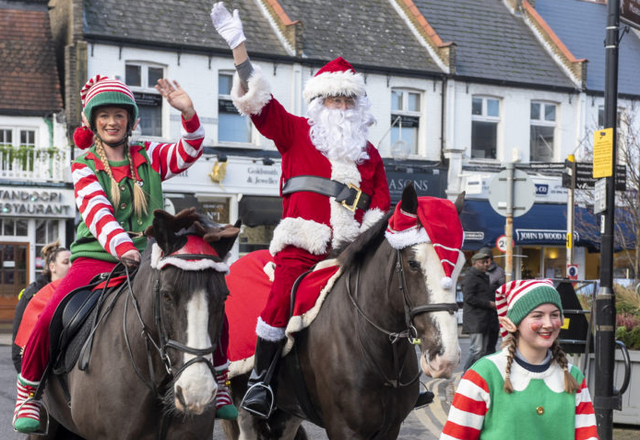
[(227, 25)]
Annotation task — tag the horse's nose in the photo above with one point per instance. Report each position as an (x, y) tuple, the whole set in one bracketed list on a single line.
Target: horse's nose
[(180, 403)]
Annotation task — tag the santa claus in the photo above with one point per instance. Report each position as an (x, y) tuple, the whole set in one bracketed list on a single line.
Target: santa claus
[(333, 183)]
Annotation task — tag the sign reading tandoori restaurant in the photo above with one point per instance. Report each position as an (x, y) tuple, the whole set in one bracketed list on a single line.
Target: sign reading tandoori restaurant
[(36, 202)]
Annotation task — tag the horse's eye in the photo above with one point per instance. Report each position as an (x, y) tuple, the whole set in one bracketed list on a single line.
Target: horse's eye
[(414, 265), (167, 298)]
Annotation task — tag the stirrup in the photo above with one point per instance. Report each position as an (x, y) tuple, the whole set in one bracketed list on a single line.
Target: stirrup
[(269, 399), (36, 432)]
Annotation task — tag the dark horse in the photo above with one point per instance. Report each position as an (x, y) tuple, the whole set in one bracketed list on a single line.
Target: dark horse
[(358, 364), (150, 373)]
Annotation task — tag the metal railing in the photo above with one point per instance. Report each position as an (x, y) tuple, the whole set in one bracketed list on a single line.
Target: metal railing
[(34, 164)]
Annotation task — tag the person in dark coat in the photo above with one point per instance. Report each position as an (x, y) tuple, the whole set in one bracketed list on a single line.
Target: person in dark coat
[(479, 308), (496, 279), (56, 265)]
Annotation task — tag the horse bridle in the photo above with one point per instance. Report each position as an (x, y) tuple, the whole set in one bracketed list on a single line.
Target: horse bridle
[(410, 312), (164, 341)]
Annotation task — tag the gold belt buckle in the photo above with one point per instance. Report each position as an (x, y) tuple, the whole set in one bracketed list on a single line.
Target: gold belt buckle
[(354, 206)]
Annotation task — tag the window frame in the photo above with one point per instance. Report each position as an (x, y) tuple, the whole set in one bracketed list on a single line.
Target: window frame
[(486, 118), (145, 90), (541, 121), (16, 134), (404, 112), (226, 98)]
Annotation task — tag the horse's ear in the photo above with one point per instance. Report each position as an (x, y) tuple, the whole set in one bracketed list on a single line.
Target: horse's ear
[(459, 203), (162, 230), (409, 199)]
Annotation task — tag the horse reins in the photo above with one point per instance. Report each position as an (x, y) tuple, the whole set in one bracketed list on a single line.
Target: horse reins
[(410, 312)]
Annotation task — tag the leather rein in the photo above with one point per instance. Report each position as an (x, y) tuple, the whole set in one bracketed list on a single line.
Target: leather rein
[(410, 312)]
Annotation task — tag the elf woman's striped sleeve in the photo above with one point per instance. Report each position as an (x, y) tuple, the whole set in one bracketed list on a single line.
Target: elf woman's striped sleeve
[(171, 159), (586, 428), (97, 211), (470, 405)]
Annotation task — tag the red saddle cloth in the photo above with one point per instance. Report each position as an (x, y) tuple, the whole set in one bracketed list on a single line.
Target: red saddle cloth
[(40, 300), (249, 285)]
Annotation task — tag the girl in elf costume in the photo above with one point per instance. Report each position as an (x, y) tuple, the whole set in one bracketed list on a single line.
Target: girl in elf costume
[(527, 391), (117, 187)]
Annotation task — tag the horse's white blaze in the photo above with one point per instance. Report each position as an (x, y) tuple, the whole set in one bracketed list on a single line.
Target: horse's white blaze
[(197, 385), (443, 364)]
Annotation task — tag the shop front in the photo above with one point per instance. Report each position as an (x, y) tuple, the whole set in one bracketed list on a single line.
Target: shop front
[(30, 218), (228, 188)]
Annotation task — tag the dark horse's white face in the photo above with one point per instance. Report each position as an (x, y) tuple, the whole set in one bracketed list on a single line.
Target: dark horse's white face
[(193, 311), (438, 330)]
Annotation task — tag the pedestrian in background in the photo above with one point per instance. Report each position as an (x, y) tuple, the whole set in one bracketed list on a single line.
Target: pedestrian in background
[(528, 390), (56, 266), (496, 279), (479, 317)]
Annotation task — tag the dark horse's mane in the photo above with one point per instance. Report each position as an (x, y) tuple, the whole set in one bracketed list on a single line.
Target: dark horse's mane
[(351, 254)]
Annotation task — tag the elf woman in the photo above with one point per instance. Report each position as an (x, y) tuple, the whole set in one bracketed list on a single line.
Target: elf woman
[(527, 391), (117, 187)]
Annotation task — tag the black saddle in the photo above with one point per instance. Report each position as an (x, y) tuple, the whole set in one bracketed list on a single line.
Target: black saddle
[(73, 321)]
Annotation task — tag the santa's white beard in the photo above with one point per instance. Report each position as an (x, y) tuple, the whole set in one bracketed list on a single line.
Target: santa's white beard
[(340, 134)]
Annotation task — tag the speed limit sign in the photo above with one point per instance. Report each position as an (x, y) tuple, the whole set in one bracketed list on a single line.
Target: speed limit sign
[(501, 243)]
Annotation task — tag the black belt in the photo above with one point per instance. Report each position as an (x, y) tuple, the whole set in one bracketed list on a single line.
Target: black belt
[(350, 196)]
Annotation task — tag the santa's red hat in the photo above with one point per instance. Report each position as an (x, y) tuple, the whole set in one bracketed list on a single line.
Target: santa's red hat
[(435, 222), (336, 78)]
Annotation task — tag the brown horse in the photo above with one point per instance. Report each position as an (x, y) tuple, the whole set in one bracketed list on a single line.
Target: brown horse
[(357, 361), (150, 374)]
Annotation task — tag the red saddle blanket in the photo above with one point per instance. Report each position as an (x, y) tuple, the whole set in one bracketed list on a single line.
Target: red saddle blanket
[(40, 300), (249, 281)]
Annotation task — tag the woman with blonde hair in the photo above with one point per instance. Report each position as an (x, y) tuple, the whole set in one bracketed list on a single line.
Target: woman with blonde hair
[(56, 265)]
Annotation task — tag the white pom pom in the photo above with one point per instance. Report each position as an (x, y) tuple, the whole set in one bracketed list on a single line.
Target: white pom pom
[(446, 283)]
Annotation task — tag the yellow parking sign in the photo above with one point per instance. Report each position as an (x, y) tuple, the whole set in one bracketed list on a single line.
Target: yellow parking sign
[(603, 153)]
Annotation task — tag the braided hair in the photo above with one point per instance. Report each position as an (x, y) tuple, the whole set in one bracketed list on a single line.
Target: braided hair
[(49, 254), (557, 355), (139, 198)]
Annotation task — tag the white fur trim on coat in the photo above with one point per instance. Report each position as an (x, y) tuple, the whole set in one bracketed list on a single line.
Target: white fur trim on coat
[(345, 227), (259, 94), (370, 218), (268, 332), (334, 84), (306, 234)]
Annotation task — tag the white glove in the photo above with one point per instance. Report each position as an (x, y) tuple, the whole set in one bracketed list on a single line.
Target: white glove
[(228, 26)]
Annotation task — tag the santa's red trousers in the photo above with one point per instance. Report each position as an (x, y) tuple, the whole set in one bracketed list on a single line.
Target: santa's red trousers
[(81, 272), (291, 262)]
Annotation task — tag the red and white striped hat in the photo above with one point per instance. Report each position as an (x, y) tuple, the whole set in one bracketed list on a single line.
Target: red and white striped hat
[(516, 299), (435, 222)]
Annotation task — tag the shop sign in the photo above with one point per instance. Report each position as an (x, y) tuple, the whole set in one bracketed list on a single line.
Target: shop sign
[(524, 236), (36, 202), (473, 236)]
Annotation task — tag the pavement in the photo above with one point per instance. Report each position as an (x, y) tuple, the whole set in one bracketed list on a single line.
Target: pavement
[(426, 423)]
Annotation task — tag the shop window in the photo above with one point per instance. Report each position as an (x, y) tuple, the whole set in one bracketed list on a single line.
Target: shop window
[(543, 126), (405, 119), (14, 227), (142, 78), (232, 127), (46, 232), (485, 117)]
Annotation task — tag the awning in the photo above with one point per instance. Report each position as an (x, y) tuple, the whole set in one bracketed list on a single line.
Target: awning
[(257, 210), (544, 224), (177, 204)]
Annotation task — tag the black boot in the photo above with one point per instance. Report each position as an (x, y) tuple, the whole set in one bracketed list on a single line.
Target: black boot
[(424, 399), (259, 399)]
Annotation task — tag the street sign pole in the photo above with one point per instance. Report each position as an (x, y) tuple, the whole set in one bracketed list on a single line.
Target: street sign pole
[(570, 212), (605, 400), (508, 226)]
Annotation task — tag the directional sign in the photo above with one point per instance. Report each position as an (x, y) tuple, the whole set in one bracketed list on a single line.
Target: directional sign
[(584, 176)]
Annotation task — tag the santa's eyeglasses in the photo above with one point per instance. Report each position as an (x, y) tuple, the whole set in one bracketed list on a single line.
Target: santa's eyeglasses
[(340, 101)]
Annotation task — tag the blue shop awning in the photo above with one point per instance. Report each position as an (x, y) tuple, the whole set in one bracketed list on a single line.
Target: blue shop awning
[(544, 224)]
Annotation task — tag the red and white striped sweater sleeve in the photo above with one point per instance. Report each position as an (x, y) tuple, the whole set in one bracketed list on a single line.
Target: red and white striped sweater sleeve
[(172, 159), (97, 211), (468, 409), (586, 428)]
